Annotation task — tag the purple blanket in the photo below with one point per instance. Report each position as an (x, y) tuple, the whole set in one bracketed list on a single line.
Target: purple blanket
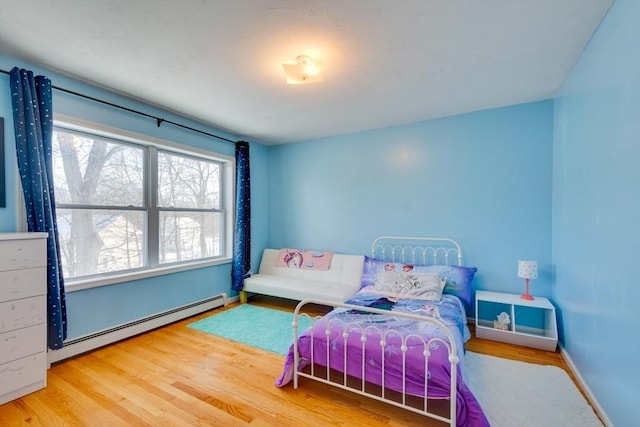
[(449, 311)]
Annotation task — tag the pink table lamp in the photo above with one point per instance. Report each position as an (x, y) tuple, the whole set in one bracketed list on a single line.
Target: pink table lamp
[(527, 270)]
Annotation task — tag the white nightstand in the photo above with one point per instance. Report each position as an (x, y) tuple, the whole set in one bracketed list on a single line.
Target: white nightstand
[(520, 311)]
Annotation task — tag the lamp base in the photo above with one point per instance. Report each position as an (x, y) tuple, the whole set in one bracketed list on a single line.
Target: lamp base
[(526, 295)]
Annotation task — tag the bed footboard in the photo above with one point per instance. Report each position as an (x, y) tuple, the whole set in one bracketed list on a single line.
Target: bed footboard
[(343, 354)]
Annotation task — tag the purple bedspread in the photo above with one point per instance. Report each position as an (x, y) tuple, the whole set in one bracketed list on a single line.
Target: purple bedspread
[(449, 311)]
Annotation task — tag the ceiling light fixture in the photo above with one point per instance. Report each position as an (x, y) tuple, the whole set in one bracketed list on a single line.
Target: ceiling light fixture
[(303, 72)]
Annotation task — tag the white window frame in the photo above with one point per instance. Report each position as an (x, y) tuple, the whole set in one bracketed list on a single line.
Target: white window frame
[(226, 202)]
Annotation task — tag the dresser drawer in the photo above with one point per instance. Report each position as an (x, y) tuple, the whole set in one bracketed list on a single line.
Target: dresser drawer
[(22, 342), (16, 284), (24, 253), (21, 313), (23, 372)]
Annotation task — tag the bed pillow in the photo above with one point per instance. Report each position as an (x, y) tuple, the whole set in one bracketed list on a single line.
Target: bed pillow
[(458, 279), (397, 285), (373, 267), (459, 282)]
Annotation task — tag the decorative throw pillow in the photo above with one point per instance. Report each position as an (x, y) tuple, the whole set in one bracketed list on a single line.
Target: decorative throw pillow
[(425, 286)]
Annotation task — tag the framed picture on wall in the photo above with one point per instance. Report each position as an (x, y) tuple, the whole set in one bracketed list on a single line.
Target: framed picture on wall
[(3, 195)]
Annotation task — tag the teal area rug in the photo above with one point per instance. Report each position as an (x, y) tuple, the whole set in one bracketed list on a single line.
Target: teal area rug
[(259, 327)]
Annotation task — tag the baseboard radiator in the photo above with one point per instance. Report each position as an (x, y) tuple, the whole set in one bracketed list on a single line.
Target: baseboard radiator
[(99, 339)]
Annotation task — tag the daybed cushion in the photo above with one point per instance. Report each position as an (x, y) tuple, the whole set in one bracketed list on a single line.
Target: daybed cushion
[(340, 282)]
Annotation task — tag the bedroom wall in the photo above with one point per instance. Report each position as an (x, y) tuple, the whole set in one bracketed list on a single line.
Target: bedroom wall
[(8, 219), (98, 308), (482, 178), (596, 210)]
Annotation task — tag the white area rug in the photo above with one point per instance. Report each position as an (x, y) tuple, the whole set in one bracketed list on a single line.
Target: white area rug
[(515, 394)]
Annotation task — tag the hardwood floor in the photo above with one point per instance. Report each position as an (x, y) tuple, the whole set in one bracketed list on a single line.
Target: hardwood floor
[(176, 376)]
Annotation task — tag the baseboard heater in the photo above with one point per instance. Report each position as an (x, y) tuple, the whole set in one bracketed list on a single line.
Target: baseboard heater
[(99, 339)]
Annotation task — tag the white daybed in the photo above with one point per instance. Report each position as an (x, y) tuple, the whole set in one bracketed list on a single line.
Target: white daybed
[(337, 284)]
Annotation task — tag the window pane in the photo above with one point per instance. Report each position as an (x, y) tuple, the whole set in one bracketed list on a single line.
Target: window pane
[(187, 236), (89, 170), (186, 182), (125, 204), (100, 241)]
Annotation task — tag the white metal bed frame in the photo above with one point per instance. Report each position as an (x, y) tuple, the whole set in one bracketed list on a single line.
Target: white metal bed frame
[(410, 250)]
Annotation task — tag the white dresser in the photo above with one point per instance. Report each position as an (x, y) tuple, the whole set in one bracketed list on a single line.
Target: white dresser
[(23, 314)]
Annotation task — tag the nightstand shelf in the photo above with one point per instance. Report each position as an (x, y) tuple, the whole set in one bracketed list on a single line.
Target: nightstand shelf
[(533, 323)]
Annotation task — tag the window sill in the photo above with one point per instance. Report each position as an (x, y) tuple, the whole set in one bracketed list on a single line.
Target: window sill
[(94, 282)]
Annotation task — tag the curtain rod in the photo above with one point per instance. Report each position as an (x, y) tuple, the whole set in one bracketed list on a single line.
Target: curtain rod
[(158, 120)]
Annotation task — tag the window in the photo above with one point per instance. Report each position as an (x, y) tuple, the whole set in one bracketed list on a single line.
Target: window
[(189, 214), (127, 205)]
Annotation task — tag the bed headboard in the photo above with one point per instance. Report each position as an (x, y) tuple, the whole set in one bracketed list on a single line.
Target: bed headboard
[(417, 250)]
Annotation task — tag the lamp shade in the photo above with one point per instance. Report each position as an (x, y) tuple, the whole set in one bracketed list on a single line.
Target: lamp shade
[(304, 71), (528, 269)]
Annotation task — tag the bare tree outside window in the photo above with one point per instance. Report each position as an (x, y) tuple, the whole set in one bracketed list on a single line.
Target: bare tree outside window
[(105, 212), (188, 191)]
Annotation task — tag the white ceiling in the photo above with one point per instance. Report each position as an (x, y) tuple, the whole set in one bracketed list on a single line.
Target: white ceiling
[(385, 62)]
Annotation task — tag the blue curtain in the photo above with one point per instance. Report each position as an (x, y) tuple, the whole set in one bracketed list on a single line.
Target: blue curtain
[(32, 103), (242, 231)]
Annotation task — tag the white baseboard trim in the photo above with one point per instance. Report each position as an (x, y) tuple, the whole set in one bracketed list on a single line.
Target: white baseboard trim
[(99, 339), (592, 399)]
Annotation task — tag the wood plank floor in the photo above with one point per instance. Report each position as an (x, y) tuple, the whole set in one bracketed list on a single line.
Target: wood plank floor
[(176, 376)]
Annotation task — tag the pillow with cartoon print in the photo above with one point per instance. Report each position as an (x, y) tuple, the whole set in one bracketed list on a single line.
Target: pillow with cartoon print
[(458, 279), (397, 285)]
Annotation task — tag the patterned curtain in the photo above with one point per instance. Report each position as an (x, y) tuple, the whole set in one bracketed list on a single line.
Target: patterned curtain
[(33, 121), (242, 232)]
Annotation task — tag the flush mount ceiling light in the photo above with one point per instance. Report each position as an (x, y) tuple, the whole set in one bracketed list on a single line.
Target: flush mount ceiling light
[(303, 72)]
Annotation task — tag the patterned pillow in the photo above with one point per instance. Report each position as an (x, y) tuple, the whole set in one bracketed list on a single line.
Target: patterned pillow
[(458, 279), (425, 286)]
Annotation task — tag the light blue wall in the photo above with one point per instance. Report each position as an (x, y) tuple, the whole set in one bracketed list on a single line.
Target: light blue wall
[(482, 178), (8, 214), (99, 308), (596, 213)]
